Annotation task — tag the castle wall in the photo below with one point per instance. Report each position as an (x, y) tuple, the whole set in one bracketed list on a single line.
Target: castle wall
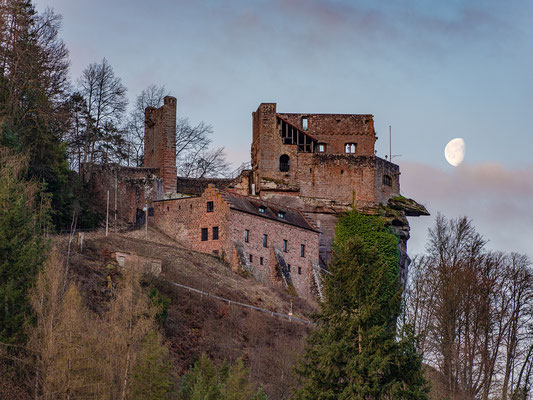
[(160, 141), (133, 186), (338, 129), (301, 268), (183, 220)]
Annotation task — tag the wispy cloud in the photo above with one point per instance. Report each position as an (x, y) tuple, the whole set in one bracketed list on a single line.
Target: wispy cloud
[(497, 198)]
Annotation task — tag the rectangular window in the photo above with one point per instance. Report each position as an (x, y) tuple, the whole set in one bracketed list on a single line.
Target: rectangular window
[(289, 268), (204, 234), (285, 245), (321, 148), (151, 212), (265, 240), (387, 180), (246, 236), (261, 260), (299, 270), (215, 233), (302, 250), (304, 124), (262, 209), (251, 258), (210, 206), (281, 214)]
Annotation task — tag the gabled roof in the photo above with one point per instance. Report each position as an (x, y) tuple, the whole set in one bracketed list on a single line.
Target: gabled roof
[(251, 205)]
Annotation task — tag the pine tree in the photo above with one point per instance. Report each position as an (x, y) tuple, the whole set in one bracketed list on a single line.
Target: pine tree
[(152, 374), (356, 353), (23, 216)]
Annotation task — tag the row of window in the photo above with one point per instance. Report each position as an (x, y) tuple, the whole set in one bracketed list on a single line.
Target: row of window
[(261, 262), (265, 242)]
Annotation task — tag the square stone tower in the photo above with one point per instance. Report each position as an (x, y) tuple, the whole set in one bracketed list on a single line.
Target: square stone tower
[(160, 141)]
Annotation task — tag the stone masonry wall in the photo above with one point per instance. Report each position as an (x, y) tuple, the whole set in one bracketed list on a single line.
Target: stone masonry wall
[(160, 141), (183, 220), (301, 269)]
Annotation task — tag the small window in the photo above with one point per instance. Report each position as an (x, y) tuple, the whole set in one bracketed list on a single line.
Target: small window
[(210, 206), (265, 240), (302, 250), (215, 233), (281, 214), (299, 270), (387, 180), (321, 148), (151, 212), (246, 236), (168, 208), (284, 163), (289, 268), (251, 258), (285, 245), (191, 206), (350, 148), (304, 124), (204, 234), (262, 209), (261, 260)]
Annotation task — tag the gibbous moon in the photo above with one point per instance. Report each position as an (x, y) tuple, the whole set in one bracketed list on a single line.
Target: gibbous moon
[(455, 151)]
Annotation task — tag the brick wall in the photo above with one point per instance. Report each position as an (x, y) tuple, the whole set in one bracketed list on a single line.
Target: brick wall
[(183, 219), (133, 187), (276, 232), (160, 141)]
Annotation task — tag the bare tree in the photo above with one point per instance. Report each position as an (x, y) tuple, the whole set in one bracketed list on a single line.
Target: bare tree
[(472, 310), (105, 99), (152, 96)]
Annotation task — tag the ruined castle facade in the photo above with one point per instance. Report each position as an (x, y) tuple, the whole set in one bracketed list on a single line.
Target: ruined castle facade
[(277, 219)]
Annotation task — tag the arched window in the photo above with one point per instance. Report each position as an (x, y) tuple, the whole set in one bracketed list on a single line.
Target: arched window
[(284, 163)]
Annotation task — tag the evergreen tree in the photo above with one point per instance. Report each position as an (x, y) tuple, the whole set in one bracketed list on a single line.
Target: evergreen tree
[(152, 375), (356, 353), (23, 216), (205, 382)]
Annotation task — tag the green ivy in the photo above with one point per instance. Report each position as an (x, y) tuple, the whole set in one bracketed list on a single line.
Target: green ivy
[(373, 233)]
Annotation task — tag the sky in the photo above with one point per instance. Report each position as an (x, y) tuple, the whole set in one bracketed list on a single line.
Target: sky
[(432, 70)]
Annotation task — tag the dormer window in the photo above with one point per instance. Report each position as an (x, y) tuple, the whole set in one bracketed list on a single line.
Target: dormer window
[(304, 124), (262, 209), (321, 148), (281, 214), (350, 148)]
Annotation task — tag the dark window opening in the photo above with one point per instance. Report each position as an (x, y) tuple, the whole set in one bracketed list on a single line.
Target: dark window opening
[(304, 124), (179, 207), (204, 234), (251, 258), (281, 214), (302, 250), (299, 270), (387, 180), (168, 208), (210, 206), (284, 163), (246, 236), (350, 148), (342, 171), (151, 212), (262, 209), (261, 260), (292, 135), (285, 245), (215, 233), (289, 268), (265, 240), (191, 206)]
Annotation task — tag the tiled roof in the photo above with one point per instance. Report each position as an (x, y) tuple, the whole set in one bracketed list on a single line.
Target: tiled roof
[(251, 205)]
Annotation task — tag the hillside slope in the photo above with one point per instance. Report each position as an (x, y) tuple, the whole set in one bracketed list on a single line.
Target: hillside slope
[(268, 344)]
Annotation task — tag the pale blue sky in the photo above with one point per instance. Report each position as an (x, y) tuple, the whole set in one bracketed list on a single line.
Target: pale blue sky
[(434, 70)]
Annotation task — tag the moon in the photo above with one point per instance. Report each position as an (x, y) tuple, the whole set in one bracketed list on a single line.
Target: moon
[(455, 151)]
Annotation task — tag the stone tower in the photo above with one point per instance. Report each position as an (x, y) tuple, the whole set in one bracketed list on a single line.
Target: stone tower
[(160, 141)]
